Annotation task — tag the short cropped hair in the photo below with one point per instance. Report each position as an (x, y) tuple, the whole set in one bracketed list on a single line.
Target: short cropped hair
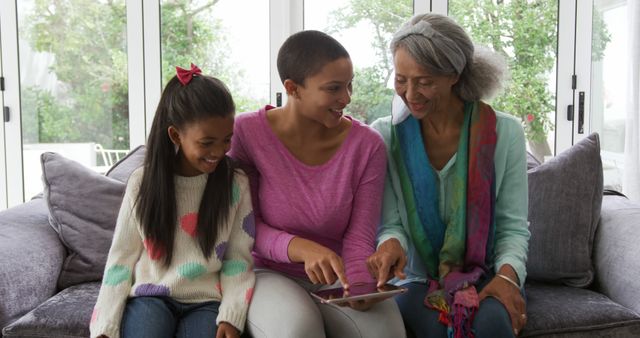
[(304, 54)]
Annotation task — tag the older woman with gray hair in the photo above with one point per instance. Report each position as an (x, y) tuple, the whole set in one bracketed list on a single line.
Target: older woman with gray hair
[(454, 228)]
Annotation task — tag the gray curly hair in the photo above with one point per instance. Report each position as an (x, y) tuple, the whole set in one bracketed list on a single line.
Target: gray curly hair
[(443, 47)]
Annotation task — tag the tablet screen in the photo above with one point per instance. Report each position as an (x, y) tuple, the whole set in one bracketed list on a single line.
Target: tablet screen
[(357, 291)]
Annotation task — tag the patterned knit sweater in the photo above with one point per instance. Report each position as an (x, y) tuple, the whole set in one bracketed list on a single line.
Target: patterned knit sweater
[(135, 266)]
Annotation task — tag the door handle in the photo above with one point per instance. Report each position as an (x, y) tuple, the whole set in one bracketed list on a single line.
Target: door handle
[(7, 115), (570, 112)]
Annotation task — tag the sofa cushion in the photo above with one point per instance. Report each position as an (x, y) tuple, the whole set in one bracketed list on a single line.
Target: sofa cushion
[(561, 311), (616, 252), (83, 208), (565, 195), (66, 314), (532, 161), (123, 168), (84, 205), (30, 259)]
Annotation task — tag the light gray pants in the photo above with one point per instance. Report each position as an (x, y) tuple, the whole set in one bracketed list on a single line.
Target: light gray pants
[(281, 307)]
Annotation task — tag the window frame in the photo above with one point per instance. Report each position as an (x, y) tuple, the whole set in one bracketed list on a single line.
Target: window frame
[(11, 153), (286, 17)]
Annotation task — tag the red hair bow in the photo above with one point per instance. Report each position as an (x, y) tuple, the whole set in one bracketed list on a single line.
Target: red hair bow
[(185, 75)]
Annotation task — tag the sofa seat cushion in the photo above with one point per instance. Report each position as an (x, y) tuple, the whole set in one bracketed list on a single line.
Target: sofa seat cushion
[(65, 315), (30, 258), (616, 251), (561, 311)]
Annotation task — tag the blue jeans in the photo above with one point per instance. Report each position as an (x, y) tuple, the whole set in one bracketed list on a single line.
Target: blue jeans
[(158, 317), (492, 319)]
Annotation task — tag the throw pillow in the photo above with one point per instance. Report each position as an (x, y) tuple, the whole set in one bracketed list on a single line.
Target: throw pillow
[(83, 208), (532, 161), (565, 197), (123, 168)]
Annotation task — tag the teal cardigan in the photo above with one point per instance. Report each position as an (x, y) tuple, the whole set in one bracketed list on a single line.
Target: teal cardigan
[(512, 233)]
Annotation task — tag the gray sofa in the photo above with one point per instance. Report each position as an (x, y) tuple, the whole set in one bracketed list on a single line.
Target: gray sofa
[(584, 262)]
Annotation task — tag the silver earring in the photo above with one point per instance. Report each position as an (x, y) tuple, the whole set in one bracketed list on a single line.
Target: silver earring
[(176, 148)]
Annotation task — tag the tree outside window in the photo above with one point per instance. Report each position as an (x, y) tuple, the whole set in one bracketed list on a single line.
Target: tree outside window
[(524, 31), (89, 98), (89, 51)]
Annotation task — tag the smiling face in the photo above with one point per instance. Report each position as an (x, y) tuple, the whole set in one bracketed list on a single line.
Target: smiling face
[(421, 91), (324, 96), (202, 143)]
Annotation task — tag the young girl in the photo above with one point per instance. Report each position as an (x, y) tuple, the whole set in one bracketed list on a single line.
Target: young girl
[(319, 178), (185, 229)]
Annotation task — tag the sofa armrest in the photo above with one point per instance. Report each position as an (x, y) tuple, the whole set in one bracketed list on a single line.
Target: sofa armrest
[(31, 256), (616, 252)]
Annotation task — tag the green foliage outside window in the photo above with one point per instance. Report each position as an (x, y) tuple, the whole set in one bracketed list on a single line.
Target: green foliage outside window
[(90, 65), (189, 34), (89, 46), (371, 97), (524, 31), (91, 60)]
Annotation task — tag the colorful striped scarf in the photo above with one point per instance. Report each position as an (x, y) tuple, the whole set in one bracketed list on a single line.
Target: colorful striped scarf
[(456, 254)]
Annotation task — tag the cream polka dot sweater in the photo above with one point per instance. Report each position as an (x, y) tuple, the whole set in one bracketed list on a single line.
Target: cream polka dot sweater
[(135, 268)]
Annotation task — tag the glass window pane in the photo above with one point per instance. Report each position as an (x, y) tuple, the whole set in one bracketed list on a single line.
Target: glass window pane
[(226, 39), (365, 28), (73, 77), (526, 32), (609, 69)]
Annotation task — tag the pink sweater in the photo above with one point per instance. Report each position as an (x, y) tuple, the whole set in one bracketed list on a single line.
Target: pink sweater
[(336, 204)]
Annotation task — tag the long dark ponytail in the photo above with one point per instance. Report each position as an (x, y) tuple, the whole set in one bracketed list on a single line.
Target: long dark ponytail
[(203, 97)]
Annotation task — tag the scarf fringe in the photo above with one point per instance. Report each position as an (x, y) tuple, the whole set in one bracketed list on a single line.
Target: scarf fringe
[(439, 304), (462, 322), (458, 318)]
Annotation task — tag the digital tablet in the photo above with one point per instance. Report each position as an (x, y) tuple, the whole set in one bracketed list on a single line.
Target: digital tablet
[(357, 291)]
